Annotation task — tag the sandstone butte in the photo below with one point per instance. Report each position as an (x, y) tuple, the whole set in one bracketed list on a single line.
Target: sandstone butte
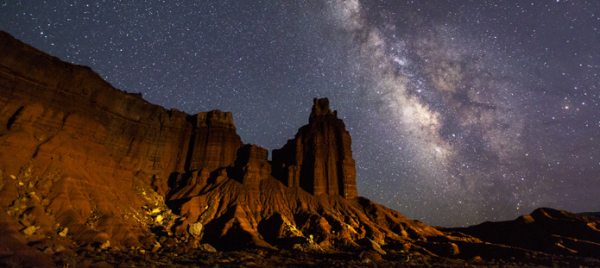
[(84, 164)]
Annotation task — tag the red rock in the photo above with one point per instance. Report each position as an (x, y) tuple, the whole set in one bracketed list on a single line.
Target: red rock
[(319, 159), (83, 145), (78, 154), (214, 143), (97, 156), (255, 166)]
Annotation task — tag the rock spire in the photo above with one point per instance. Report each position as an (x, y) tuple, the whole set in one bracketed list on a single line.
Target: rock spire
[(319, 158)]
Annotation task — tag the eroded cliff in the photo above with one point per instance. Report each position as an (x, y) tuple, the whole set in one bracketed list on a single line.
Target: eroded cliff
[(79, 155), (87, 167), (319, 159)]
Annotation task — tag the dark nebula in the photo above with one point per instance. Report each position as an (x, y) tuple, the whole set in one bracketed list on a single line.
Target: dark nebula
[(460, 111)]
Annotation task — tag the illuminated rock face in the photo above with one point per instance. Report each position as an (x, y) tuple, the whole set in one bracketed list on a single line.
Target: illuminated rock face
[(214, 143), (118, 171), (319, 159), (90, 151)]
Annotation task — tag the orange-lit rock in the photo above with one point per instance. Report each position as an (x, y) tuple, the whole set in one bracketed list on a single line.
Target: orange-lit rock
[(319, 159), (214, 143), (86, 166)]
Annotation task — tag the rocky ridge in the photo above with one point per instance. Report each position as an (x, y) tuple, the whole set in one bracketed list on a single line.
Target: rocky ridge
[(86, 167), (319, 159), (119, 172)]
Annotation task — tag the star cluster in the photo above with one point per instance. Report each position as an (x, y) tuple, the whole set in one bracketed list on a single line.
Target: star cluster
[(460, 111)]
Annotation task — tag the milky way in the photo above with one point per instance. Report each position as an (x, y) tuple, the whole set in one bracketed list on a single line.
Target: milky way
[(460, 111)]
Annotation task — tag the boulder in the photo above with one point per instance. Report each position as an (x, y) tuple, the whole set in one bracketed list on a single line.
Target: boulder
[(63, 232), (195, 229), (29, 230), (371, 245), (105, 245), (207, 247)]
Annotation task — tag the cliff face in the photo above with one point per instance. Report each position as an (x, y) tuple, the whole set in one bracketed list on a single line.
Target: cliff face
[(78, 155), (84, 165), (214, 142), (82, 155), (75, 150), (319, 159)]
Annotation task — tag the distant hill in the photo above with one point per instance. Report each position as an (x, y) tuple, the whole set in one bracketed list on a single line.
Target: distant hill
[(594, 214)]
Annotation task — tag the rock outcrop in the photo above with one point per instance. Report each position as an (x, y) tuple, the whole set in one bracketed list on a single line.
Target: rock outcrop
[(319, 159), (77, 153), (214, 142), (253, 159), (106, 165), (86, 167)]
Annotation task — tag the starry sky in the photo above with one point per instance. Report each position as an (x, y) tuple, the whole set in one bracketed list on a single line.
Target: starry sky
[(460, 111)]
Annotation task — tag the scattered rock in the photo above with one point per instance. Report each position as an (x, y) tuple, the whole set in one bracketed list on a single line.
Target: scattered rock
[(371, 245), (454, 250), (30, 230), (48, 251), (59, 248), (207, 248), (195, 229), (404, 258), (297, 247), (156, 246), (155, 211), (105, 245), (370, 255), (25, 222), (64, 232)]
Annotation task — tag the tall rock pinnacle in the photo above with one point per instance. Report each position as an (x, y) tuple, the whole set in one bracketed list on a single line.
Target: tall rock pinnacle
[(319, 159)]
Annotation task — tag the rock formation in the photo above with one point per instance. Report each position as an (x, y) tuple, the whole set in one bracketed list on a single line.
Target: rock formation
[(255, 166), (319, 159), (87, 167), (78, 154), (214, 143)]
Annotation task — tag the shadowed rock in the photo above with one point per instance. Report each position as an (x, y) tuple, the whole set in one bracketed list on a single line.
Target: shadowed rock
[(319, 159), (85, 165)]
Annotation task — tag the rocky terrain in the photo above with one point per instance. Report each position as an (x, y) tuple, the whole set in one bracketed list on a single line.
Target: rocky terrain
[(92, 176)]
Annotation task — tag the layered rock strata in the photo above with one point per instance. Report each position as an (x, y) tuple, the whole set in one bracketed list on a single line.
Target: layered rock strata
[(86, 166), (85, 156), (214, 142), (319, 158)]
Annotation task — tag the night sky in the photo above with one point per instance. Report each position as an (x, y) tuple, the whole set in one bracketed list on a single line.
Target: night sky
[(460, 111)]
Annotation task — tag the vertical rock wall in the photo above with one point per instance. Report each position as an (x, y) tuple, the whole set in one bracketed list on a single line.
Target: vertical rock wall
[(256, 167), (88, 155), (214, 143), (319, 159)]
